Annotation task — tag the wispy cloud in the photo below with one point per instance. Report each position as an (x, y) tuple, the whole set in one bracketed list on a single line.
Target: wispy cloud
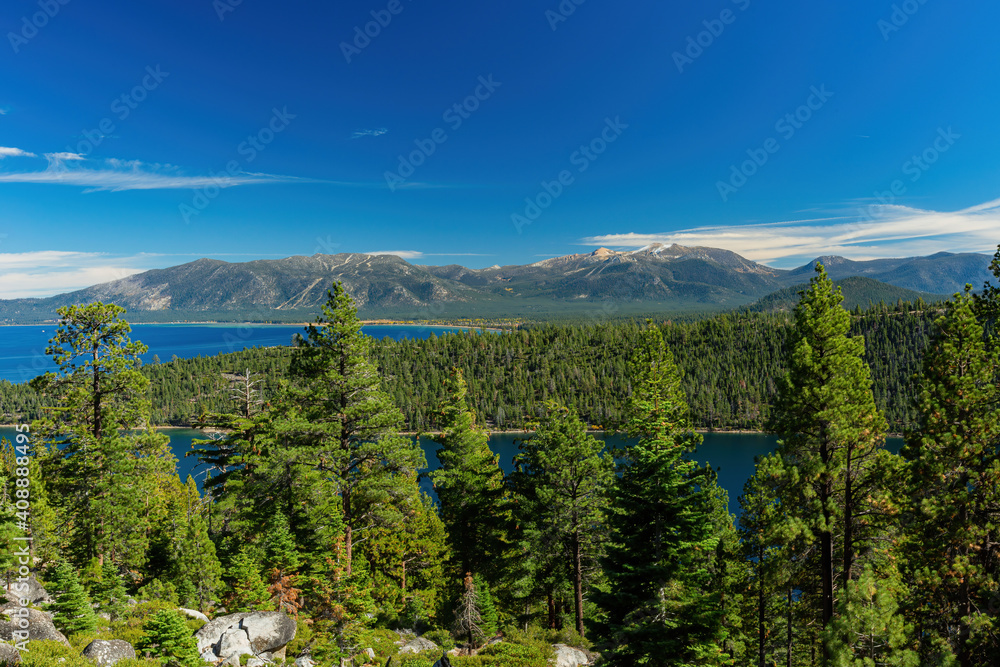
[(377, 132), (6, 151), (893, 231), (4, 111), (115, 175)]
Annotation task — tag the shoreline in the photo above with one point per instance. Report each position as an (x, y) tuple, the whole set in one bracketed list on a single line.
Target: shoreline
[(382, 323), (500, 431)]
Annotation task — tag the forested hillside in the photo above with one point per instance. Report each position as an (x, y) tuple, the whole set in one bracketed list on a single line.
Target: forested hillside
[(730, 365)]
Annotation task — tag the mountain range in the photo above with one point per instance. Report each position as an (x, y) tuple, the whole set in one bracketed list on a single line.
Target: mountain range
[(655, 278)]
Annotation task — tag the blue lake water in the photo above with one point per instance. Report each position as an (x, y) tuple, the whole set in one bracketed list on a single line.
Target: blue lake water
[(731, 454), (22, 348)]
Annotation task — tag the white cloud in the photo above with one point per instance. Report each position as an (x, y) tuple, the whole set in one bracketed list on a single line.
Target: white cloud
[(873, 232), (115, 175), (14, 152), (377, 132), (46, 272), (4, 111)]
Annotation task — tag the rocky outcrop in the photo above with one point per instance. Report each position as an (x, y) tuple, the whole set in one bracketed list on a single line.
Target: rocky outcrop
[(262, 634), (567, 656), (29, 589), (418, 645), (39, 624), (107, 653)]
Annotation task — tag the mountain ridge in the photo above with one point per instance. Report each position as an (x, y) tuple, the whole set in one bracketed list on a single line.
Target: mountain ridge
[(663, 277)]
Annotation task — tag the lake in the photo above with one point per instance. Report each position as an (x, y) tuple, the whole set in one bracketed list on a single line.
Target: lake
[(22, 348), (731, 454)]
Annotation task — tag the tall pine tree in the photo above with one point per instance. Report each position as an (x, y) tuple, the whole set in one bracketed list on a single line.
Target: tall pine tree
[(663, 606), (470, 488), (100, 457), (953, 545), (832, 438), (340, 423), (562, 480)]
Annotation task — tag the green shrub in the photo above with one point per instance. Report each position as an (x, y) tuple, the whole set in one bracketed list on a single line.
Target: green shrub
[(303, 635), (382, 641), (506, 654), (440, 637), (46, 653), (425, 659)]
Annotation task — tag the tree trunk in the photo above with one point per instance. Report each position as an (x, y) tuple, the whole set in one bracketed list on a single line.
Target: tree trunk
[(826, 539), (552, 612), (348, 536), (848, 561), (788, 640), (760, 610), (578, 582)]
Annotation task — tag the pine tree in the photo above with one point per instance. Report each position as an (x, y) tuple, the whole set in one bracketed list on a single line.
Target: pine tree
[(197, 566), (870, 630), (249, 592), (562, 481), (954, 486), (662, 604), (487, 608), (168, 638), (282, 562), (100, 453), (340, 423), (71, 610), (832, 440), (469, 486), (109, 592), (768, 558)]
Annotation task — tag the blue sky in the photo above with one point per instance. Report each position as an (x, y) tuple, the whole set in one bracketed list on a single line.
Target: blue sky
[(140, 135)]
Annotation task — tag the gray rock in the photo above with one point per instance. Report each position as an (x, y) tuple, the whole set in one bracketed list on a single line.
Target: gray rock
[(567, 656), (208, 655), (191, 613), (305, 661), (39, 627), (233, 642), (29, 589), (418, 645), (256, 662), (9, 655), (265, 631), (106, 653), (370, 652)]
